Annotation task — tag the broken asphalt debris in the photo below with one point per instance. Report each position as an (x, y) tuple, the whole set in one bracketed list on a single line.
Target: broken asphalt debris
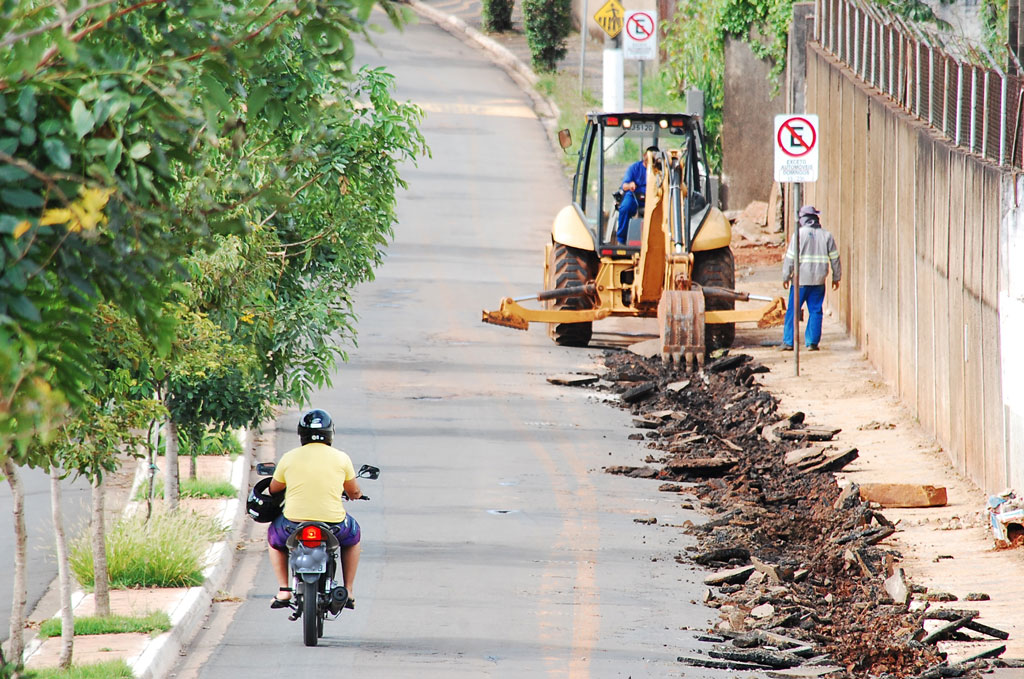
[(803, 578)]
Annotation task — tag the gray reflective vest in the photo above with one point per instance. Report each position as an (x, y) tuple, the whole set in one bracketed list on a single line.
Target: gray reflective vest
[(817, 250)]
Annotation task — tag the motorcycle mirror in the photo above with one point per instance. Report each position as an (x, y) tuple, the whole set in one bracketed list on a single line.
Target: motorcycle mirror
[(368, 472), (266, 468), (564, 138)]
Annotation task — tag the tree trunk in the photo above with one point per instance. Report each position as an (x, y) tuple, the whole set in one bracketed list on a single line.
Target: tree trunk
[(101, 576), (67, 620), (171, 468), (19, 596), (154, 439), (194, 437)]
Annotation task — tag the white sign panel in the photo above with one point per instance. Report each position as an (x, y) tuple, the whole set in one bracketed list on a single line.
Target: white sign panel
[(796, 147), (640, 35)]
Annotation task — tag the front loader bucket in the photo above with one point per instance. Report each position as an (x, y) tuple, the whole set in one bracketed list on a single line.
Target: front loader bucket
[(681, 323)]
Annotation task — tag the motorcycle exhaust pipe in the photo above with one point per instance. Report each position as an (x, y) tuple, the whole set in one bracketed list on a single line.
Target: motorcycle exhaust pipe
[(339, 597)]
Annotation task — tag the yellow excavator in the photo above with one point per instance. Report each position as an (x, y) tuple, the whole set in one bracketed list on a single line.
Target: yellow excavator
[(675, 262)]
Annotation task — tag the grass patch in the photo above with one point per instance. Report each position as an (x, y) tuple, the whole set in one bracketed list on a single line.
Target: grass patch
[(167, 551), (114, 624), (563, 88), (194, 488), (112, 669), (658, 98)]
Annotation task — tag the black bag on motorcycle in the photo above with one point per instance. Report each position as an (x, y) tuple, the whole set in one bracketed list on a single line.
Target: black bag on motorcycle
[(263, 506)]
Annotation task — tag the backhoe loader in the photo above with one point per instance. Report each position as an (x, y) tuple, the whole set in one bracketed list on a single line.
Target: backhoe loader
[(675, 263)]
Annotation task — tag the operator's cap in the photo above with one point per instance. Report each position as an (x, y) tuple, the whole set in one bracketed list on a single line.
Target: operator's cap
[(808, 210)]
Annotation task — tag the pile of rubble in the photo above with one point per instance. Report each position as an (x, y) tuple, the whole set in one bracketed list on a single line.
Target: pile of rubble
[(804, 577), (755, 225)]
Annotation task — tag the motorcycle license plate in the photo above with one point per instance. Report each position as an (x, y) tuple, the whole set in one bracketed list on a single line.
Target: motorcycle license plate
[(311, 569)]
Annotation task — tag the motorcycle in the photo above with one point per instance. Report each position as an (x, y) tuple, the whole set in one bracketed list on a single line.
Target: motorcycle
[(313, 553)]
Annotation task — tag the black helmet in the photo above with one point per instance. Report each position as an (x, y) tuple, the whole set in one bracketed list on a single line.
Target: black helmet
[(262, 506), (316, 425)]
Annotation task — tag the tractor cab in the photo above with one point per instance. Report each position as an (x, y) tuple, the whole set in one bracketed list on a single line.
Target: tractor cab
[(611, 144)]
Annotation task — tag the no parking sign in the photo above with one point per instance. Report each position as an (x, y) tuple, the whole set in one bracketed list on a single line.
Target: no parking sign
[(796, 148), (640, 29)]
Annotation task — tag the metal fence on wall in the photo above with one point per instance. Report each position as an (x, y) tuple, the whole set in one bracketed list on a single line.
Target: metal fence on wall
[(957, 87)]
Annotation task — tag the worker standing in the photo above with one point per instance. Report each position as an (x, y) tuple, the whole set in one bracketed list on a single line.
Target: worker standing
[(818, 251)]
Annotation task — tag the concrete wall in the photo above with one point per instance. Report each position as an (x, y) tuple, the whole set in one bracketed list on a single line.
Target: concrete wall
[(925, 230), (748, 120), (1011, 324)]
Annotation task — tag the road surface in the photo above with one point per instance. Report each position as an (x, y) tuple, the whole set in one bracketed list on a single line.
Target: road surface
[(494, 544)]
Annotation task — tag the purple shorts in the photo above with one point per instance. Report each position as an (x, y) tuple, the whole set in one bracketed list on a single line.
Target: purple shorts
[(347, 532)]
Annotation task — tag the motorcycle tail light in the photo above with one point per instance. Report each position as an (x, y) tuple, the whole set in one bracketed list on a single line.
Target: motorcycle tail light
[(311, 536)]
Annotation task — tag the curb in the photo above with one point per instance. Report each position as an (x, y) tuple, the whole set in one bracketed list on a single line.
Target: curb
[(160, 655), (546, 109)]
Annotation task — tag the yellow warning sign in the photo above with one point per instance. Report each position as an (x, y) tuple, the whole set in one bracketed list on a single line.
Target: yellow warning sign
[(609, 17)]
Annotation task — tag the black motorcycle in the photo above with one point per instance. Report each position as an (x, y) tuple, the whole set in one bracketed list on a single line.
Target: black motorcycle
[(312, 561)]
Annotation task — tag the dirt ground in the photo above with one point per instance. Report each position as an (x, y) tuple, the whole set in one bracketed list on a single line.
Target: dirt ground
[(947, 552), (838, 387)]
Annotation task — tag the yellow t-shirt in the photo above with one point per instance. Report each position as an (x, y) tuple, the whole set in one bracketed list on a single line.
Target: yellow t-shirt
[(314, 476)]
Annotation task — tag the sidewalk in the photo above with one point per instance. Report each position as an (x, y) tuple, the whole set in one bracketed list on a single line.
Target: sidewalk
[(152, 656), (948, 550)]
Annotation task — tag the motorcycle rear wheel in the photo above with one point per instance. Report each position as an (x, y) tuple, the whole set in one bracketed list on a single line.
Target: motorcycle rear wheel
[(310, 616)]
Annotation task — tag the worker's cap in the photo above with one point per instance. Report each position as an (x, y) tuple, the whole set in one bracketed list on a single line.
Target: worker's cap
[(808, 210)]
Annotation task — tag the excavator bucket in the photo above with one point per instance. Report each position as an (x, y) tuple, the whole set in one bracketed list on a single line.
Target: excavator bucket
[(681, 324)]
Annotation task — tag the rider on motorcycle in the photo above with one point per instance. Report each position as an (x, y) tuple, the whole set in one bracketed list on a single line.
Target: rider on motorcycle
[(312, 478)]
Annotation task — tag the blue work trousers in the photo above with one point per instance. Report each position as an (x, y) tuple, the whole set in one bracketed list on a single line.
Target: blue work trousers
[(813, 296), (627, 210)]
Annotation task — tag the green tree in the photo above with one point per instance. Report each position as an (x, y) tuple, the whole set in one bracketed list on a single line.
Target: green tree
[(547, 24), (109, 113), (497, 15), (132, 136)]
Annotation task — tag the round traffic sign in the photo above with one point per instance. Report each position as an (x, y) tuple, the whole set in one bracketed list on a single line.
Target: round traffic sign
[(797, 137), (639, 26)]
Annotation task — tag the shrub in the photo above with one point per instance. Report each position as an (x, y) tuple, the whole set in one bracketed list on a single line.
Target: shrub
[(167, 551), (197, 488), (497, 15), (114, 624), (547, 24)]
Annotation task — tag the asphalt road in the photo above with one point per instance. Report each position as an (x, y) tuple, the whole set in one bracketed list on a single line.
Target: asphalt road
[(41, 552), (494, 544)]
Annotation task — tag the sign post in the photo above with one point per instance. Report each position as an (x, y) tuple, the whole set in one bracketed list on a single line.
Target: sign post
[(609, 17), (796, 161), (641, 41)]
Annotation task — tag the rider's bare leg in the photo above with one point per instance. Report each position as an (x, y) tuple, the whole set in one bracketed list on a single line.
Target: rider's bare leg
[(349, 563), (279, 562)]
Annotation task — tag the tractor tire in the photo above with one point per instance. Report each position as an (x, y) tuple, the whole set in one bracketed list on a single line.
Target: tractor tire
[(716, 268), (569, 267)]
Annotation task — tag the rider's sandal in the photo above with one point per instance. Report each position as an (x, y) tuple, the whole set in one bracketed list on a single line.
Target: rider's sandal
[(282, 603), (351, 603)]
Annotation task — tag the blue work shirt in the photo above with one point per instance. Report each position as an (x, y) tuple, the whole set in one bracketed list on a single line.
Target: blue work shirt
[(637, 173)]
